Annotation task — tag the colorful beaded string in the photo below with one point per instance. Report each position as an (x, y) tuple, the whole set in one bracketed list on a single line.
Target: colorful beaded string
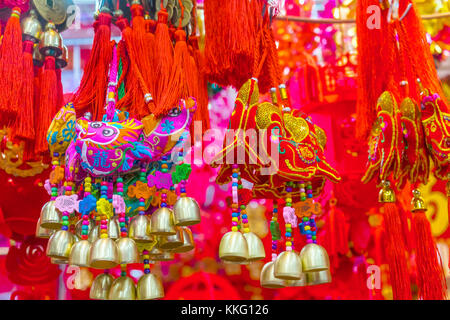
[(274, 230), (146, 257), (288, 233), (308, 224), (143, 179), (85, 215), (164, 169), (104, 218), (122, 220), (65, 214), (235, 216), (54, 187)]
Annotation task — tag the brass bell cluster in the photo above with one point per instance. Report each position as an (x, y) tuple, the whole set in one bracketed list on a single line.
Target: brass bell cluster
[(291, 269), (46, 39)]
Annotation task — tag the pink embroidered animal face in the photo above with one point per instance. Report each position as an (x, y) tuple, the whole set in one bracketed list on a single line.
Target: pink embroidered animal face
[(99, 133)]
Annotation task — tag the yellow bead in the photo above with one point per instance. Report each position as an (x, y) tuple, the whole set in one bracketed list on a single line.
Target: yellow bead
[(307, 227), (234, 228), (288, 244), (110, 94), (302, 194), (235, 219), (146, 257), (289, 200), (288, 225), (246, 230), (146, 266), (104, 236)]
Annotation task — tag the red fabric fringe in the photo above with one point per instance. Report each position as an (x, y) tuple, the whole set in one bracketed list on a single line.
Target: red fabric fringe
[(11, 70), (396, 254), (24, 125), (430, 275), (48, 106)]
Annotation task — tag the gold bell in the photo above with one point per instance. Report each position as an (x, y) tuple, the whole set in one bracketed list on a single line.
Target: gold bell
[(297, 283), (63, 59), (104, 254), (31, 27), (171, 242), (314, 258), (386, 194), (162, 222), (79, 256), (155, 252), (94, 234), (233, 247), (114, 228), (60, 244), (50, 216), (164, 256), (149, 287), (318, 277), (38, 60), (122, 288), (100, 286), (267, 278), (186, 211), (128, 251), (288, 266), (139, 227), (255, 247), (51, 42), (42, 232), (417, 202), (59, 261), (188, 241)]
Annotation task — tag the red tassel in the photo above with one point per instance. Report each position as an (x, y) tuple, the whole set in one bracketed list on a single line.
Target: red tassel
[(396, 254), (24, 125), (91, 95), (163, 62), (11, 70), (48, 106), (430, 276)]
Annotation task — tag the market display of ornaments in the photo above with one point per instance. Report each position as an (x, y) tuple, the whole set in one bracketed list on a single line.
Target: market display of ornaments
[(117, 197)]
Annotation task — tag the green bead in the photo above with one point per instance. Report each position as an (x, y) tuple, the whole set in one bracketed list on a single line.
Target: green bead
[(240, 186), (65, 218), (305, 219), (303, 198), (242, 207), (65, 223), (164, 170), (314, 237)]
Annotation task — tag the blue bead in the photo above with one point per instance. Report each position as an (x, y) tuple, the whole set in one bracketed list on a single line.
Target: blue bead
[(65, 227), (235, 214), (288, 234), (146, 271), (275, 210), (234, 175), (84, 227), (123, 229), (163, 204), (244, 216), (234, 184), (146, 261), (182, 190)]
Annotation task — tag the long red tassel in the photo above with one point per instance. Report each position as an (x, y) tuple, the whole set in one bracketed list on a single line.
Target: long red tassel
[(24, 125), (91, 95), (371, 64), (396, 254), (48, 100), (430, 276), (11, 69), (163, 61)]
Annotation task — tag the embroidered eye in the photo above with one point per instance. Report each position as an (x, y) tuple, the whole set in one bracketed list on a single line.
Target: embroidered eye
[(174, 112), (96, 124), (108, 132)]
